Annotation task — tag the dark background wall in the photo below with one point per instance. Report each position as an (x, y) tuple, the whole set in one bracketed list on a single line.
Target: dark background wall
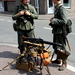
[(42, 6)]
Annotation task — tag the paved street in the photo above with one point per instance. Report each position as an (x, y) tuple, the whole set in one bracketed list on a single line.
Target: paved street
[(9, 50), (9, 53)]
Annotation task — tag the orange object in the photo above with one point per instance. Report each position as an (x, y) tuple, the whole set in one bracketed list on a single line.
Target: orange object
[(46, 58), (44, 55), (46, 61)]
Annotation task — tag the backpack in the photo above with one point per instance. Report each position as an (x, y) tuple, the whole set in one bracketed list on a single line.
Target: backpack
[(69, 26)]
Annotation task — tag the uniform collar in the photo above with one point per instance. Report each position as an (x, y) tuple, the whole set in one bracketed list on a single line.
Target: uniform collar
[(58, 5), (25, 6)]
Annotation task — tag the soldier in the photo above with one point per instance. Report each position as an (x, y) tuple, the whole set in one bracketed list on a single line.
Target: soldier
[(57, 22), (24, 15)]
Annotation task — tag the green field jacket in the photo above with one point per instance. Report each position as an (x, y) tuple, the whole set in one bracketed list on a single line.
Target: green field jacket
[(60, 19), (25, 22)]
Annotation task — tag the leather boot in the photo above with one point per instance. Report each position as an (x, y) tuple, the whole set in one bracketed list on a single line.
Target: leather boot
[(21, 51), (63, 66)]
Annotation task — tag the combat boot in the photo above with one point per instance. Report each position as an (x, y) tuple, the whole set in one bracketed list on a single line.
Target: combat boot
[(63, 66)]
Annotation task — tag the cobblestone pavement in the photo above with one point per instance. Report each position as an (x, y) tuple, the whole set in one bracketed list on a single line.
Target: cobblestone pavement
[(9, 53)]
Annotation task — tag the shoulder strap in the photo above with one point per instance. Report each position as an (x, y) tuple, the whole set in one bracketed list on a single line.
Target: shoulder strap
[(18, 8)]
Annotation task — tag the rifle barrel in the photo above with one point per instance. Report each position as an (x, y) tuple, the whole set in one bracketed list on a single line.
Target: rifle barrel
[(51, 43), (39, 40)]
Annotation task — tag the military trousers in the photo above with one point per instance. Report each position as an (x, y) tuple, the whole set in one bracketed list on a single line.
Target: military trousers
[(26, 33), (59, 38)]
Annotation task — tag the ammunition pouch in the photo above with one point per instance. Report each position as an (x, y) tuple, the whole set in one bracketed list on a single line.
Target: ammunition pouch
[(15, 26), (69, 26)]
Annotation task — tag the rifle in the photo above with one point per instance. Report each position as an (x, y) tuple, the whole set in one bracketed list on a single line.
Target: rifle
[(39, 40)]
